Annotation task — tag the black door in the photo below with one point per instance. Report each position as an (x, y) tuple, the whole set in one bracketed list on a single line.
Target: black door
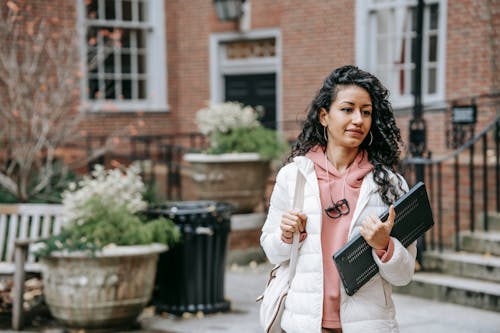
[(254, 90)]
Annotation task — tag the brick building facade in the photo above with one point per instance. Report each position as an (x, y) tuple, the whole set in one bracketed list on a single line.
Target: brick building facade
[(173, 56), (308, 39)]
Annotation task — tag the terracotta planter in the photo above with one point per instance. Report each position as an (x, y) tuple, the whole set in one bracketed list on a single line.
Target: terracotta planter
[(106, 291), (239, 179)]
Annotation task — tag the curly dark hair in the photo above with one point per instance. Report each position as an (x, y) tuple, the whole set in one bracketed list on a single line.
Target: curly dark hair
[(384, 150)]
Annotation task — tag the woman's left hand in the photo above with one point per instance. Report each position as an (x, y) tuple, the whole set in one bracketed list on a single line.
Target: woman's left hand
[(377, 233)]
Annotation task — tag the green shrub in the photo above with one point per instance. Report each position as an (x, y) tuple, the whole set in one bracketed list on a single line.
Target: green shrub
[(235, 128), (105, 209), (110, 226), (259, 140)]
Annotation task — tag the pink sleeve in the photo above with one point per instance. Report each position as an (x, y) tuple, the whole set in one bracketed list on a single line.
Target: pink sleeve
[(386, 255)]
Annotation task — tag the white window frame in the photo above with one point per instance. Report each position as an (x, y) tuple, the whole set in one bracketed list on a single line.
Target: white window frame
[(365, 42), (221, 66), (156, 71)]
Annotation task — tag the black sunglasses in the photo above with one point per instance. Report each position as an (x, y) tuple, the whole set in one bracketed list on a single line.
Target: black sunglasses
[(338, 209)]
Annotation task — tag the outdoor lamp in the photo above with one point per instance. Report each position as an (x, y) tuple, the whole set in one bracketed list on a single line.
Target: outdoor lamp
[(229, 10)]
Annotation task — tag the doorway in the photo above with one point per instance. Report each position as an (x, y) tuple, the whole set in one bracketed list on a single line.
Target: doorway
[(256, 90)]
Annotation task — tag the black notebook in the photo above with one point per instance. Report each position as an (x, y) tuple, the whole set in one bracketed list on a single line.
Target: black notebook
[(413, 217)]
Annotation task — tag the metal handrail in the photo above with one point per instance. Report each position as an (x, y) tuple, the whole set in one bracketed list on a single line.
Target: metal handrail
[(456, 152), (454, 194)]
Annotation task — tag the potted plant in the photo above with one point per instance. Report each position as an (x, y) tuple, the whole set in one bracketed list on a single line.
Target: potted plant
[(99, 270), (236, 165)]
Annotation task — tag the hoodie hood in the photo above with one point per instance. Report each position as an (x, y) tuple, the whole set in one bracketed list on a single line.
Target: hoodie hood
[(354, 174)]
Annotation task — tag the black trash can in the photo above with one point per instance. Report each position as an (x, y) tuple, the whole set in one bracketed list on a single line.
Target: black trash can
[(190, 275)]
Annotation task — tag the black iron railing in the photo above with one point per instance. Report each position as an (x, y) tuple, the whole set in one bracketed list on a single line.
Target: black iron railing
[(460, 185), (150, 151)]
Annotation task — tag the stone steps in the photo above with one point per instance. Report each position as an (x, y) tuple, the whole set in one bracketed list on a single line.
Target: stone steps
[(481, 242), (493, 221), (453, 289), (465, 264), (470, 277)]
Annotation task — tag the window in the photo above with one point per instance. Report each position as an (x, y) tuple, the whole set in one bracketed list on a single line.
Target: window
[(123, 53), (386, 45)]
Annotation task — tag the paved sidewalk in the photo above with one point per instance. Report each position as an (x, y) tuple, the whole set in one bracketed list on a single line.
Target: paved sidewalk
[(244, 284)]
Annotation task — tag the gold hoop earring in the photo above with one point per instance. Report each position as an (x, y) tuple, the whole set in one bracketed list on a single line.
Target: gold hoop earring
[(324, 133), (371, 139)]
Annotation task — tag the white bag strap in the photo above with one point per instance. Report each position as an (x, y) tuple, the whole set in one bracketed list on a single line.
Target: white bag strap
[(298, 204)]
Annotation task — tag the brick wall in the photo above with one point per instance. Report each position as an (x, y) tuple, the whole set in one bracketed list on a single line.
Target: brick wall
[(310, 41), (472, 54), (312, 45), (317, 36), (468, 48)]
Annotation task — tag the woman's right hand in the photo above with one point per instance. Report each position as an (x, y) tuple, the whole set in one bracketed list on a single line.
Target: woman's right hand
[(291, 222)]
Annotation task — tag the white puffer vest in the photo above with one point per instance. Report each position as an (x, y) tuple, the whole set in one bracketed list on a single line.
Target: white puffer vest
[(371, 309)]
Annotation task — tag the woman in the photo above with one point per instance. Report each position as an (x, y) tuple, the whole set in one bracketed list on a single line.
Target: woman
[(348, 151)]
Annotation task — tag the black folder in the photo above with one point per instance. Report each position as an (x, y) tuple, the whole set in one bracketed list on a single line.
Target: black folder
[(413, 218)]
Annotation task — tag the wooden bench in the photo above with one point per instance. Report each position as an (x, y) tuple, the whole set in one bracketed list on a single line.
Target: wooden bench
[(20, 226)]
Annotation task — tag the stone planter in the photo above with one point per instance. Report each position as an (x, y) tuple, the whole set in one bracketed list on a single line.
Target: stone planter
[(239, 178), (106, 291)]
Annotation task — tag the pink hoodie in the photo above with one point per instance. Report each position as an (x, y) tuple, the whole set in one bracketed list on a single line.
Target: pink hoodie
[(334, 232)]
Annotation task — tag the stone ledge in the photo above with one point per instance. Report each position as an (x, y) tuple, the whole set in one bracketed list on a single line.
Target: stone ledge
[(464, 264), (243, 257), (480, 242), (446, 288), (247, 221)]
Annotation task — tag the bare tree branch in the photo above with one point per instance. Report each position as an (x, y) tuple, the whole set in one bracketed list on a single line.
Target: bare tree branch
[(39, 93)]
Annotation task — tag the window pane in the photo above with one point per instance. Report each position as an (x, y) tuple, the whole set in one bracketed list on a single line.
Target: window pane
[(142, 89), (142, 12), (433, 48), (383, 75), (109, 62), (383, 21), (392, 35), (104, 36), (413, 15), (91, 36), (93, 89), (110, 89), (125, 63), (383, 37), (412, 81), (127, 89), (127, 10), (116, 57), (434, 16), (141, 39), (126, 38), (400, 78), (142, 63), (413, 49), (110, 10), (91, 60), (432, 76), (92, 9), (383, 51)]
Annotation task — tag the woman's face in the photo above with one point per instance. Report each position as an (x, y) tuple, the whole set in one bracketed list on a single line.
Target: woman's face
[(350, 117)]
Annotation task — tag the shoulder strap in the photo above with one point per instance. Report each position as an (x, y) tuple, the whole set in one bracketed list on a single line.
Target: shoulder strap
[(298, 204)]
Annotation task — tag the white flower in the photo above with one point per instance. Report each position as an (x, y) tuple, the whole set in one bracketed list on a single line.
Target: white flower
[(112, 187), (222, 117)]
